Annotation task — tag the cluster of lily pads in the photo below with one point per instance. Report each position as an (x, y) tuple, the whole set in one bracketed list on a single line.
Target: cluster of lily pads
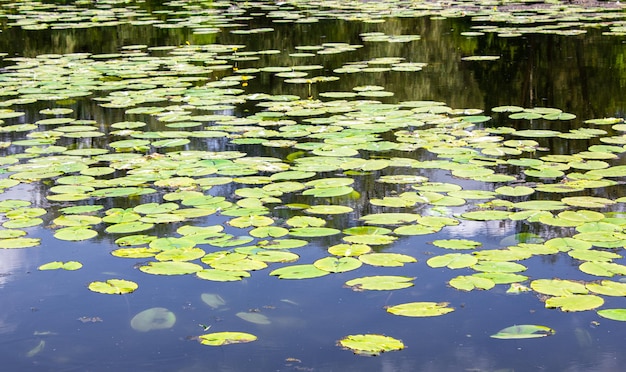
[(168, 162), (509, 18)]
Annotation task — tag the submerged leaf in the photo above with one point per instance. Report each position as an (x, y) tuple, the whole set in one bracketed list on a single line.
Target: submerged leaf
[(524, 331)]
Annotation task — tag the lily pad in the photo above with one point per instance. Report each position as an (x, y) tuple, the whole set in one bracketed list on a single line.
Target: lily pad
[(575, 302), (420, 309), (613, 314), (305, 271), (69, 265), (113, 286), (380, 283), (226, 338)]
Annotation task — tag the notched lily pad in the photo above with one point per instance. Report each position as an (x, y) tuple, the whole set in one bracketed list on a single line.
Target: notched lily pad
[(113, 286), (370, 344), (523, 331), (420, 309), (226, 338)]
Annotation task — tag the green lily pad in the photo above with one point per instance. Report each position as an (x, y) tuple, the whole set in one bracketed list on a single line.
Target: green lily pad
[(370, 344), (386, 259), (420, 309), (558, 287), (170, 268), (468, 283), (349, 250), (128, 227), (328, 209), (310, 232), (305, 271), (608, 288), (457, 243), (452, 261), (380, 283), (113, 286), (575, 302), (222, 275), (135, 252), (69, 265), (523, 331), (337, 265), (19, 243), (608, 269), (75, 233), (390, 218), (613, 314), (226, 338)]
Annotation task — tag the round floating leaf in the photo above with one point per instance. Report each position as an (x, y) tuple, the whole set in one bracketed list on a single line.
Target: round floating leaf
[(566, 244), (593, 255), (502, 278), (337, 265), (457, 243), (222, 275), (128, 227), (468, 283), (269, 231), (305, 271), (310, 232), (613, 314), (486, 215), (75, 233), (19, 243), (499, 267), (69, 265), (153, 319), (452, 260), (575, 302), (282, 243), (349, 250), (180, 254), (328, 209), (514, 190), (386, 259), (370, 344), (608, 288), (523, 331), (558, 287), (226, 338), (370, 239), (416, 229), (608, 269), (420, 309), (135, 252), (113, 286), (170, 268), (380, 283), (154, 208), (273, 256)]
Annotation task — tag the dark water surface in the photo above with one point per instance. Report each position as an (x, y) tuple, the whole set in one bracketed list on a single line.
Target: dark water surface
[(583, 75)]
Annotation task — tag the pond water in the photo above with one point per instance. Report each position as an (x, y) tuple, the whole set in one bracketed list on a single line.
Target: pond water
[(378, 153)]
